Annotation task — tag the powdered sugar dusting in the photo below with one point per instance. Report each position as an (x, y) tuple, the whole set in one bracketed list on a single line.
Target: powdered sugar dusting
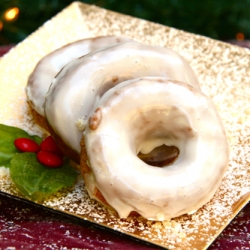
[(223, 72)]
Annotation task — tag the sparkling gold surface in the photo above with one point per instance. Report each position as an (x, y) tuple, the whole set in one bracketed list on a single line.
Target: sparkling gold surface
[(223, 72)]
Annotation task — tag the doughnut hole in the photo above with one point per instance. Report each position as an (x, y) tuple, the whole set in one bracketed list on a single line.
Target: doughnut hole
[(161, 141), (160, 156)]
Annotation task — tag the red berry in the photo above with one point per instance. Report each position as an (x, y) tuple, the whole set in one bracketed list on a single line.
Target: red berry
[(49, 159), (48, 144), (26, 145)]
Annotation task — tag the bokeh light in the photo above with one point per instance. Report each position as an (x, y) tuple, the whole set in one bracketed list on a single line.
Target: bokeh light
[(11, 14), (240, 36)]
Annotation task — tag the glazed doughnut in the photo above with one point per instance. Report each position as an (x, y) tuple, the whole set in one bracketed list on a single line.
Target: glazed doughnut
[(80, 84), (47, 68), (137, 116)]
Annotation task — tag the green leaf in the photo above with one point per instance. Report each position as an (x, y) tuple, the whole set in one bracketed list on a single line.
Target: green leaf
[(8, 134), (36, 181)]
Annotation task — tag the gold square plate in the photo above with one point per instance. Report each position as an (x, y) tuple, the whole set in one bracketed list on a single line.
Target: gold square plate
[(223, 71)]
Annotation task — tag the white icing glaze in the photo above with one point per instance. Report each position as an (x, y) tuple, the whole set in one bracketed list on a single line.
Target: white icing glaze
[(47, 68), (80, 84), (139, 115)]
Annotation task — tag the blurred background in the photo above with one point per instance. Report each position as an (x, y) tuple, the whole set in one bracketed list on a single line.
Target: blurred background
[(226, 20)]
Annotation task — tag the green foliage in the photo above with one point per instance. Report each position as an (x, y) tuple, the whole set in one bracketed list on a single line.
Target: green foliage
[(219, 19), (33, 179), (8, 134), (36, 181)]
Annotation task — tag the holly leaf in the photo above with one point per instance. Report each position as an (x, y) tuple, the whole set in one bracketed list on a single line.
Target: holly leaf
[(8, 134), (37, 181)]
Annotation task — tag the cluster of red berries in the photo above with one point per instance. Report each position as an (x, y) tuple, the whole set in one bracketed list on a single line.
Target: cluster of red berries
[(47, 152)]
